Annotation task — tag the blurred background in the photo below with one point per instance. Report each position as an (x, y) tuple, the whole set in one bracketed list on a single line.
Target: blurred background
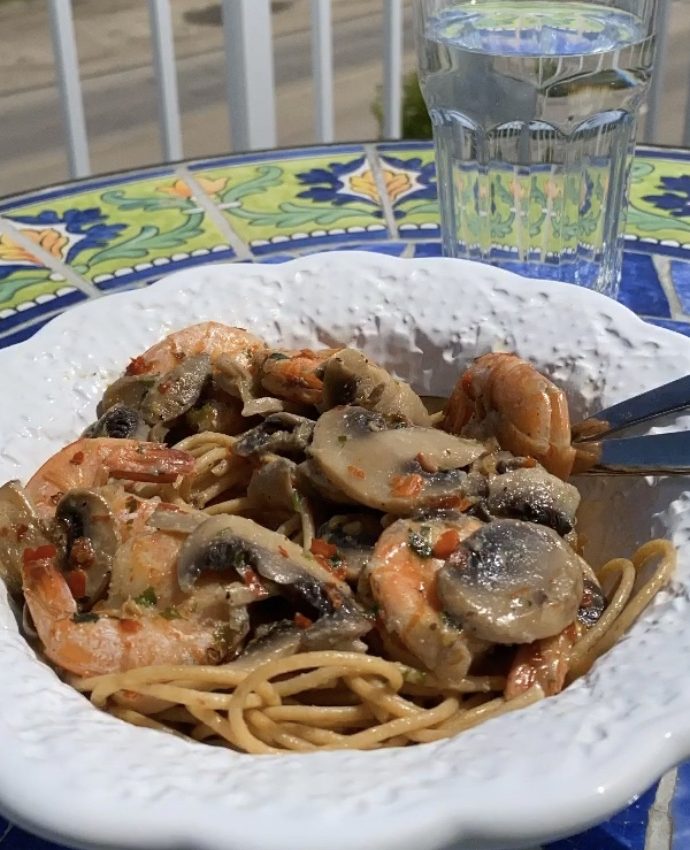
[(113, 42)]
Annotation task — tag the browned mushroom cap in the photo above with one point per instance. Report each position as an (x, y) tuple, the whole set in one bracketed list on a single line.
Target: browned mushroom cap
[(120, 422), (534, 495), (91, 540), (177, 391), (279, 433), (128, 391), (351, 378), (19, 528), (388, 466), (511, 582)]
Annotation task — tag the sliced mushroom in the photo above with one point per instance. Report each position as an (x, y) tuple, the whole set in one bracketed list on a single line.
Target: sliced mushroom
[(354, 536), (235, 377), (388, 466), (90, 539), (129, 391), (272, 486), (312, 482), (220, 415), (351, 378), (511, 582), (534, 495), (19, 529), (177, 391), (232, 545), (279, 433), (124, 423)]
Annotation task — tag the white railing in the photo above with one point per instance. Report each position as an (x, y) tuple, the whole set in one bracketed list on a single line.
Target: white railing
[(250, 78)]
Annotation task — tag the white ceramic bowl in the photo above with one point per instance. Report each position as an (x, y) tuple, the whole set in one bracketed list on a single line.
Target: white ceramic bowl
[(75, 775)]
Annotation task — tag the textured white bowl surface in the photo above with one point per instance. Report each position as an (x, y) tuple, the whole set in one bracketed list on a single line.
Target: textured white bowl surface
[(76, 775)]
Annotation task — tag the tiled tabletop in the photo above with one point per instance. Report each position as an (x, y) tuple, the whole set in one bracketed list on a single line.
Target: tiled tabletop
[(66, 244)]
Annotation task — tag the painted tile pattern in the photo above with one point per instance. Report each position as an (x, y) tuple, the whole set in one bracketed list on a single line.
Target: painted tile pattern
[(84, 240)]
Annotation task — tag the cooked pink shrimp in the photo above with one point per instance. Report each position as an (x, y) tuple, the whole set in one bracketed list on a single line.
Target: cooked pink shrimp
[(402, 575), (543, 663), (296, 375), (211, 338), (503, 396), (93, 644), (90, 462)]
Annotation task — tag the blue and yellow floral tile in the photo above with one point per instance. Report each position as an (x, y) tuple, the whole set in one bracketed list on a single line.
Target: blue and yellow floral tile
[(287, 200), (29, 290), (117, 231), (409, 175)]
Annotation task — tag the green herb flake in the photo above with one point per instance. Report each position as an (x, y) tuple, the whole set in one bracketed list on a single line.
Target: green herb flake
[(277, 355), (342, 439), (419, 544), (148, 598), (336, 560), (84, 617), (171, 613), (413, 676)]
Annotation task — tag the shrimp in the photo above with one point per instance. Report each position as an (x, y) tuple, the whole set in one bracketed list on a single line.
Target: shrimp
[(90, 462), (93, 644), (502, 396), (402, 576), (296, 376), (211, 338), (544, 662)]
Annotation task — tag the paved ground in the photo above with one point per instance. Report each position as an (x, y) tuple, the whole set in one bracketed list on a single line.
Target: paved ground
[(120, 102)]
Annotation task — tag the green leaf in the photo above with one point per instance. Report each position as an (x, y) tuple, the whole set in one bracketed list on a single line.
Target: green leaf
[(148, 598), (118, 199), (268, 176), (290, 214), (650, 222), (150, 238)]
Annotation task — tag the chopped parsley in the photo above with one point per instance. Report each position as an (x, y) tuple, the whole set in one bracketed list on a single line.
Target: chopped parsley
[(148, 598), (277, 355), (342, 439), (419, 542), (84, 617), (171, 613)]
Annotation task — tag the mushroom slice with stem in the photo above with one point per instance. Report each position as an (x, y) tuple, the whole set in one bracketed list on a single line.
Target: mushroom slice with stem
[(533, 494), (87, 525), (391, 467), (235, 546), (351, 378), (19, 529), (177, 391), (511, 582), (278, 433)]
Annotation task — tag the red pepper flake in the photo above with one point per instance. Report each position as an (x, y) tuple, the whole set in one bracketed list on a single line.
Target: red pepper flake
[(20, 531), (77, 458), (164, 387), (76, 581), (426, 463), (529, 463), (253, 582), (407, 485), (319, 546), (458, 503), (301, 621), (283, 551), (356, 472), (130, 627), (446, 544), (82, 553), (137, 366), (39, 554)]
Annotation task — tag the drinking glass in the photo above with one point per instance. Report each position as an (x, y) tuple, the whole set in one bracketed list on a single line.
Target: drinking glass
[(534, 107)]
